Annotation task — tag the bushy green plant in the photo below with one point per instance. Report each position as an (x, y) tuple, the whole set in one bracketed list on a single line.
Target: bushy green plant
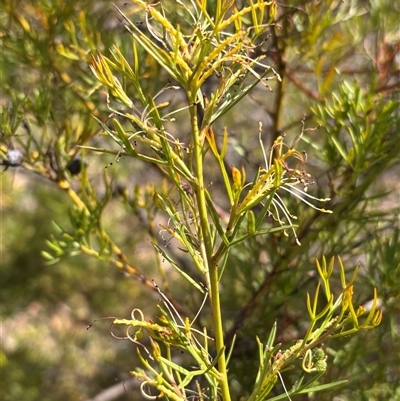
[(237, 238)]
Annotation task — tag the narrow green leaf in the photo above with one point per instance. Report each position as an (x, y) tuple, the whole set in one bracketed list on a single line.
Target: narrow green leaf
[(272, 335), (320, 387), (127, 146), (180, 271)]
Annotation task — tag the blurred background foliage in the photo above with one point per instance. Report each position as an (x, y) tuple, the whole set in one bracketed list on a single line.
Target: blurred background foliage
[(339, 63)]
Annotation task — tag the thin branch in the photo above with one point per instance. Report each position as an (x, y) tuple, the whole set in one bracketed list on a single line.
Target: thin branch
[(117, 390)]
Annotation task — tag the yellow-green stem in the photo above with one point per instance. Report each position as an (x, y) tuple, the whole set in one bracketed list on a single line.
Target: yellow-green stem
[(210, 269)]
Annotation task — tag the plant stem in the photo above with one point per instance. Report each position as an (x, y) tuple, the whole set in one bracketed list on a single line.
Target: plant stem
[(206, 248)]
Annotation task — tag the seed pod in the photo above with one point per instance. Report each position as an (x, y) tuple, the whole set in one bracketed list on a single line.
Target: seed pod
[(75, 165), (187, 187)]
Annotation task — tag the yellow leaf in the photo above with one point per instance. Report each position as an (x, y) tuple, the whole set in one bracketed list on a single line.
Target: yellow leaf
[(237, 177)]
